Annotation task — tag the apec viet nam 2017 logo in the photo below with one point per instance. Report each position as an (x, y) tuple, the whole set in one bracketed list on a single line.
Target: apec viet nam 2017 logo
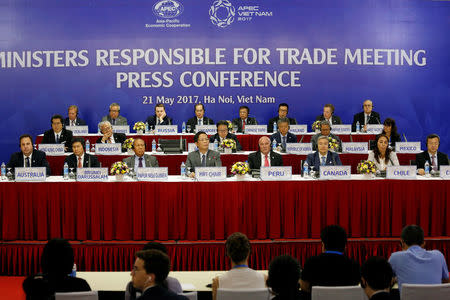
[(167, 9), (222, 13)]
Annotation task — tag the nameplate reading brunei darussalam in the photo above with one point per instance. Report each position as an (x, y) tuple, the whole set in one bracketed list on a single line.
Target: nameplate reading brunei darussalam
[(255, 129), (166, 129), (36, 174), (152, 174), (92, 174), (335, 172), (401, 172), (52, 149), (108, 149), (211, 173), (276, 173)]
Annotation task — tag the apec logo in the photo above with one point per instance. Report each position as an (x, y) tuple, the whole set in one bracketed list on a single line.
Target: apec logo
[(222, 13), (167, 9)]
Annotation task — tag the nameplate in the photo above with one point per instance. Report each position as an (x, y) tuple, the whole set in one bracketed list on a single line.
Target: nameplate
[(444, 172), (255, 129), (152, 174), (211, 173), (92, 174), (276, 173), (208, 129), (299, 148), (125, 129), (407, 147), (341, 129), (108, 149), (166, 129), (374, 128), (30, 174), (298, 129), (401, 172), (78, 130), (52, 149), (335, 172), (355, 147), (192, 147)]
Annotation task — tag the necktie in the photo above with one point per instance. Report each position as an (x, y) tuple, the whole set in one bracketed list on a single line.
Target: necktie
[(110, 140), (27, 163), (199, 122), (433, 162), (367, 120), (243, 125), (114, 121), (73, 123), (283, 142), (266, 161), (140, 162), (80, 164), (57, 138), (323, 163), (203, 160)]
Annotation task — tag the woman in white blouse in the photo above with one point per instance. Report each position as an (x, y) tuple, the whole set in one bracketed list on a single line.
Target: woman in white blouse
[(383, 156)]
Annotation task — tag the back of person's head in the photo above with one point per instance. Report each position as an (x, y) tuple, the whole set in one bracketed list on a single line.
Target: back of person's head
[(238, 247), (412, 235), (284, 274), (334, 238), (57, 258), (155, 262), (156, 246), (37, 288), (377, 272)]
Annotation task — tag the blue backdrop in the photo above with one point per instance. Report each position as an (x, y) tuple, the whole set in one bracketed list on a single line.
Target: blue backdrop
[(414, 93)]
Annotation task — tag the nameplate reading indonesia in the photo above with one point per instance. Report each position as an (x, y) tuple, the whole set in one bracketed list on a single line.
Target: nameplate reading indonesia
[(276, 173), (52, 149), (355, 147), (92, 174), (401, 172), (445, 172), (108, 149), (78, 130), (335, 172), (299, 148), (125, 129), (152, 174), (298, 129), (210, 173), (375, 128), (255, 129), (208, 129), (30, 174), (407, 147), (341, 129), (166, 129)]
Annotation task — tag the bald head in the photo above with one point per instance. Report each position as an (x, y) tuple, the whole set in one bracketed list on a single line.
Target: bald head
[(264, 145), (367, 106)]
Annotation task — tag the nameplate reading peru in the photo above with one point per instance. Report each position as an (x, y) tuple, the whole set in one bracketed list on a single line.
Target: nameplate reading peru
[(30, 174), (211, 173), (108, 149), (152, 174), (92, 174), (276, 173), (335, 172)]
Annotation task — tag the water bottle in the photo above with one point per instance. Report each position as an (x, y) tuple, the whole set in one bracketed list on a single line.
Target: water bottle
[(182, 169), (146, 127), (183, 127), (153, 146), (358, 127), (88, 146), (305, 169), (93, 148), (216, 145), (66, 171), (3, 171), (275, 127), (274, 145), (74, 271), (427, 168)]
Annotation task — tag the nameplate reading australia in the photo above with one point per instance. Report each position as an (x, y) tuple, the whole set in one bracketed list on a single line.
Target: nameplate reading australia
[(401, 172), (52, 149), (341, 129), (78, 130), (355, 147), (108, 149), (335, 172), (276, 173), (298, 129), (255, 129), (30, 174), (92, 174), (208, 129), (166, 129), (299, 148), (211, 173), (374, 128), (407, 147), (444, 172), (152, 174), (125, 129)]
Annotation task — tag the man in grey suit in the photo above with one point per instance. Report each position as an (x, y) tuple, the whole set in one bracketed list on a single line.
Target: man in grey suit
[(140, 159), (325, 130), (203, 157), (113, 117)]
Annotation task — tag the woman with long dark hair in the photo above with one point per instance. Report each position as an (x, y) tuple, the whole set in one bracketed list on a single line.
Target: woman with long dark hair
[(382, 155), (390, 130)]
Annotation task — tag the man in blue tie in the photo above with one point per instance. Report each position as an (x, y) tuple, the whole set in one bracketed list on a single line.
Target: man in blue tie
[(283, 136), (322, 157), (140, 159), (199, 119), (203, 157), (28, 157)]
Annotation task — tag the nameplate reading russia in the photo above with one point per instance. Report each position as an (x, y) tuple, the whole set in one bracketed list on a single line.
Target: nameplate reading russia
[(152, 174), (355, 147), (211, 173), (407, 147), (335, 172), (125, 129), (298, 129), (92, 174), (108, 149), (401, 172), (255, 129), (208, 129), (52, 149), (30, 174), (445, 172), (78, 130), (299, 148), (341, 129), (166, 129), (276, 173)]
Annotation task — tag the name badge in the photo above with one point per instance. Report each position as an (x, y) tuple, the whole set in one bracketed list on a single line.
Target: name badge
[(166, 129), (444, 172), (375, 128), (52, 149), (108, 149), (121, 129), (401, 172), (299, 148), (298, 129), (276, 173), (92, 174), (355, 147), (152, 174), (208, 129), (78, 130), (30, 174), (407, 147), (255, 129), (211, 173), (192, 147), (335, 172), (341, 129)]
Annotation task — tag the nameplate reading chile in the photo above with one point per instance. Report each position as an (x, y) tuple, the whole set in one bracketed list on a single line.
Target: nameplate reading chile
[(92, 174), (335, 172), (108, 149), (401, 172), (211, 173), (30, 174), (276, 173), (152, 174)]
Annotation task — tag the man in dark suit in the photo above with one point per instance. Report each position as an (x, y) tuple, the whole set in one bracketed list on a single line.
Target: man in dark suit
[(140, 159), (283, 109), (435, 158), (323, 157), (283, 136), (159, 118), (58, 134), (328, 115), (377, 278), (222, 133), (109, 136), (244, 119), (367, 116), (203, 157), (80, 159), (113, 117), (28, 157), (199, 119), (264, 157), (72, 119), (325, 130)]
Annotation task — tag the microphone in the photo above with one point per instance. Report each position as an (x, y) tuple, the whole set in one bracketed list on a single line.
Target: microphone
[(301, 138), (351, 138), (378, 120), (334, 161), (89, 161), (404, 137)]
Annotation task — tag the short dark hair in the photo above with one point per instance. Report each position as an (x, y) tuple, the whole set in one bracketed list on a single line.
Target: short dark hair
[(26, 135), (284, 274), (283, 104), (412, 235), (160, 105), (79, 139), (57, 257), (238, 247), (156, 246), (433, 136), (331, 106), (197, 135), (195, 106), (156, 262), (334, 238), (139, 139), (244, 107), (377, 272), (57, 117), (222, 122)]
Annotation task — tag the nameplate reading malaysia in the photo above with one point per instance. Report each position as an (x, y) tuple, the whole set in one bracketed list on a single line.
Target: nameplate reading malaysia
[(276, 173), (444, 172), (208, 129), (211, 173), (193, 147), (335, 172), (92, 174), (30, 174), (108, 149), (78, 130), (374, 128), (401, 172), (355, 147), (166, 129), (255, 129), (152, 174), (299, 148), (407, 147), (298, 129), (52, 149), (341, 129), (121, 129)]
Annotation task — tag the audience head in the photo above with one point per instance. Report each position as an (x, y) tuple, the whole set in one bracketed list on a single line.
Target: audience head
[(238, 248), (376, 275), (201, 140), (155, 246), (114, 110), (264, 145), (381, 148), (57, 123), (412, 235), (367, 106), (72, 112), (433, 142), (151, 267), (283, 109), (389, 127), (57, 258), (139, 147), (283, 125), (322, 144), (284, 275), (243, 112), (325, 128), (105, 127), (328, 110), (199, 110), (78, 145), (160, 110), (334, 238), (222, 128), (26, 144), (37, 287)]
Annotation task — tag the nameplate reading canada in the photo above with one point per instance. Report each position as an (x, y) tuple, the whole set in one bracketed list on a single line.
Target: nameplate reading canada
[(401, 172), (407, 147), (445, 172), (298, 129), (52, 149), (30, 174), (211, 173), (166, 129), (92, 174), (78, 130), (374, 128), (255, 129), (125, 129), (276, 173), (355, 147), (341, 129), (335, 172), (299, 148), (152, 174), (208, 129), (108, 149)]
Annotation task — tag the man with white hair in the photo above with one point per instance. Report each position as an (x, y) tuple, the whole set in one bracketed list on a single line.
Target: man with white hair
[(323, 157), (108, 135), (264, 157), (113, 117)]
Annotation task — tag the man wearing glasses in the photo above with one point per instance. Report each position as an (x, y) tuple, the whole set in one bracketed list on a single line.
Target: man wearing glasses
[(222, 133), (367, 116), (114, 118), (203, 157), (283, 110)]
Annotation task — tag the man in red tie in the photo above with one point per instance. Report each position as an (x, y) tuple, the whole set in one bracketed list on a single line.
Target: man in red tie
[(264, 157), (243, 119), (80, 159), (432, 155)]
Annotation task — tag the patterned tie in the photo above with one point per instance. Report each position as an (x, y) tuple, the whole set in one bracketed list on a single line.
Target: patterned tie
[(323, 163), (140, 162), (27, 163), (80, 164), (203, 160), (433, 162), (266, 161)]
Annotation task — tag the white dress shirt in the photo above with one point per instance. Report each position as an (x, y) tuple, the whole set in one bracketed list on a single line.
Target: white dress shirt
[(25, 159), (263, 159)]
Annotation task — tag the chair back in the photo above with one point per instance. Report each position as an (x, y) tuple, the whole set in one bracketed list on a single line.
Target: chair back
[(412, 162), (425, 291), (92, 295), (190, 295), (243, 294), (372, 144), (338, 293)]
